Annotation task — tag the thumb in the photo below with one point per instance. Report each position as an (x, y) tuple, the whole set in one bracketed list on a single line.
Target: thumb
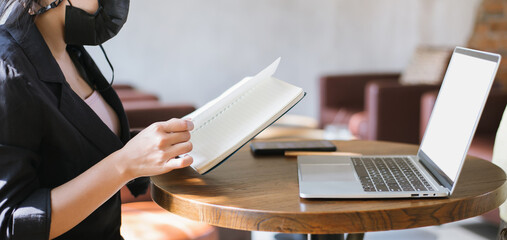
[(176, 163)]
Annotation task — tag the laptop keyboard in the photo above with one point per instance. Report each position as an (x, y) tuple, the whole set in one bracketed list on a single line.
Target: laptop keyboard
[(389, 174)]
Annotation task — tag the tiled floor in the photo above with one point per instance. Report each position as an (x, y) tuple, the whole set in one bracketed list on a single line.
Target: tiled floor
[(469, 229)]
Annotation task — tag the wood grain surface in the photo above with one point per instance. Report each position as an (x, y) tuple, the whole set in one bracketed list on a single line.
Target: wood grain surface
[(261, 194)]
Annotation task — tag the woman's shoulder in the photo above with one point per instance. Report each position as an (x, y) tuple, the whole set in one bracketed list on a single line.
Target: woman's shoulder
[(9, 47), (12, 58)]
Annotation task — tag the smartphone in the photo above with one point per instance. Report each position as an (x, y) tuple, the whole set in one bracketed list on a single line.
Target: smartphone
[(279, 148)]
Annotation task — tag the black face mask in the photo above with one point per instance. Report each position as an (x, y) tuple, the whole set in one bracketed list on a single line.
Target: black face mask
[(82, 28)]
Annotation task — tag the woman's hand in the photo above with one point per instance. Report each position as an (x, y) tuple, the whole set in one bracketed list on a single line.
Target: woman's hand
[(154, 150)]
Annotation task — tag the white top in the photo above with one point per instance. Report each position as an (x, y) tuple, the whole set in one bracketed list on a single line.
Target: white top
[(500, 154), (104, 111)]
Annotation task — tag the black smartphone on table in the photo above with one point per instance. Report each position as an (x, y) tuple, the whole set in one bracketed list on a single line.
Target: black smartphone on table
[(279, 148)]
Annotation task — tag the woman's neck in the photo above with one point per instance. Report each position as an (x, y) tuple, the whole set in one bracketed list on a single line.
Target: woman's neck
[(51, 26)]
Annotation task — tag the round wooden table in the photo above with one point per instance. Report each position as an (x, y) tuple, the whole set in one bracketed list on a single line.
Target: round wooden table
[(261, 194)]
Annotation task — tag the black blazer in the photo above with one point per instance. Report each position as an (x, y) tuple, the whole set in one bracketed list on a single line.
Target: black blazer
[(48, 136)]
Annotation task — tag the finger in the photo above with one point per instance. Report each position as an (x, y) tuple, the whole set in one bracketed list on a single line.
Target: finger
[(182, 162), (178, 149), (173, 125), (177, 125), (169, 139)]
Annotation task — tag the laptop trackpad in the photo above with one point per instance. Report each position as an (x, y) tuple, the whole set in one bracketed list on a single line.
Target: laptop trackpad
[(342, 172)]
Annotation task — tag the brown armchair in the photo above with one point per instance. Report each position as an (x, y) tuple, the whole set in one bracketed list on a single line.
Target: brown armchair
[(391, 112), (383, 106), (144, 108), (373, 106), (341, 96), (142, 113)]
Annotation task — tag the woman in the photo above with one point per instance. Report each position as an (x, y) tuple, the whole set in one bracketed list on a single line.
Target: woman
[(63, 157), (500, 159)]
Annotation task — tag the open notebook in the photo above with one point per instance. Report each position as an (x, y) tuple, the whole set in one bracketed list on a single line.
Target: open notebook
[(228, 122)]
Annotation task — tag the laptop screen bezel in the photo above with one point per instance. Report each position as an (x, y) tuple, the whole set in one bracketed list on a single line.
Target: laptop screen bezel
[(431, 166)]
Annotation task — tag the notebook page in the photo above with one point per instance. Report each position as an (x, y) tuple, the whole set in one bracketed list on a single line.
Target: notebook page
[(240, 121)]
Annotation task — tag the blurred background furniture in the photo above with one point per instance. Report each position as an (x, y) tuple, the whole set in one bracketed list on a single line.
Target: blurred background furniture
[(292, 126), (143, 219), (143, 108), (142, 113), (383, 106), (342, 96), (484, 138)]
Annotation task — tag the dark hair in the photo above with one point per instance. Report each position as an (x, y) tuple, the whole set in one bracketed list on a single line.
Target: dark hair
[(15, 10)]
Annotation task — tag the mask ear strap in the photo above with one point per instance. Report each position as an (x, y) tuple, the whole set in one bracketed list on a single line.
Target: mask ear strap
[(52, 5), (69, 2), (110, 65)]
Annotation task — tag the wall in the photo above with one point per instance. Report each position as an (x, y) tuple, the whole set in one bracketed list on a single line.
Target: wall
[(490, 33), (191, 51)]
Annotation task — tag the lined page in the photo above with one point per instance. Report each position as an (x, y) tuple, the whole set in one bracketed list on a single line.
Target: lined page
[(230, 127), (202, 114)]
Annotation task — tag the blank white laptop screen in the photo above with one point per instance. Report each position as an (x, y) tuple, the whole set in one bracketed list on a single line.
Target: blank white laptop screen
[(460, 100)]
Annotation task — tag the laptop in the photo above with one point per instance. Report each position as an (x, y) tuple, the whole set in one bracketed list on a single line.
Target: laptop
[(434, 171)]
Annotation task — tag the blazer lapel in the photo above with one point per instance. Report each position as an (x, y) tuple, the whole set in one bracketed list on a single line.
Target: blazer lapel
[(87, 122), (106, 91), (77, 112), (114, 101)]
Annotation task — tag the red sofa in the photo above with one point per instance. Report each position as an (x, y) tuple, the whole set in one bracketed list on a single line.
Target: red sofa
[(373, 106), (144, 108)]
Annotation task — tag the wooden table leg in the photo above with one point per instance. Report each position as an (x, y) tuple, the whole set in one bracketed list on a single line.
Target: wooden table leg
[(355, 236), (351, 236), (325, 237), (289, 236)]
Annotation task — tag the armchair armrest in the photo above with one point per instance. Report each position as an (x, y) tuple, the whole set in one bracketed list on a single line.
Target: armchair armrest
[(141, 114), (128, 94), (346, 92), (393, 111), (428, 100), (122, 86)]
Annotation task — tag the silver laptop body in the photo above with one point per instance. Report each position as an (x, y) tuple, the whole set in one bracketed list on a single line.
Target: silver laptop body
[(442, 152)]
